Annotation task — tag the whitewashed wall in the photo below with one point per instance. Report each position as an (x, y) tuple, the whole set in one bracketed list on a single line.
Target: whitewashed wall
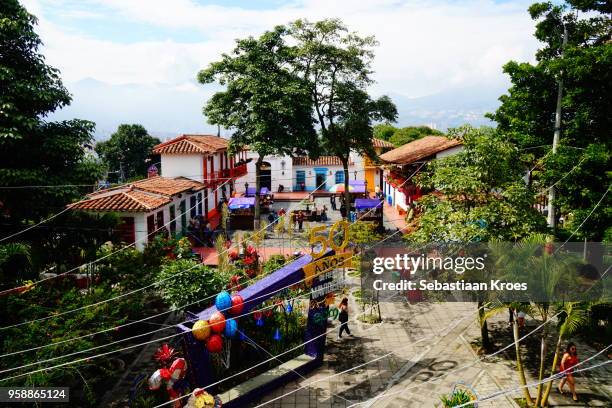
[(184, 165)]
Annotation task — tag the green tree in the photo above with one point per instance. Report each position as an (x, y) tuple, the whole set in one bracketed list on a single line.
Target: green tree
[(34, 150), (482, 196), (383, 131), (128, 152), (335, 63), (411, 133), (265, 103), (526, 115), (482, 193)]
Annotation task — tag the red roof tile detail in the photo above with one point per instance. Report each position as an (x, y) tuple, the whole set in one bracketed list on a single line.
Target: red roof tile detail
[(192, 144), (122, 200), (419, 149), (321, 161)]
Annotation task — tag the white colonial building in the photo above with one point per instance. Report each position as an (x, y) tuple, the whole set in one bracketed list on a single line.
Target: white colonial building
[(196, 173), (303, 174), (403, 163)]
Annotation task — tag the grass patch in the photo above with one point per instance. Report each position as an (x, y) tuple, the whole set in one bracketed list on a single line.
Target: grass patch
[(370, 319)]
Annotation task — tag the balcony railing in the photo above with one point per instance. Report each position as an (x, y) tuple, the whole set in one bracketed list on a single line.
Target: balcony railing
[(220, 176), (239, 171)]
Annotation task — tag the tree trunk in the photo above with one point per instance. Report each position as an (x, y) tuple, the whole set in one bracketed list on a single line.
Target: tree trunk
[(552, 371), (541, 369), (347, 193), (484, 328), (257, 188), (519, 363)]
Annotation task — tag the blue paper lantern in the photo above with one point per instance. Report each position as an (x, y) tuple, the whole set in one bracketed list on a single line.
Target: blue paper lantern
[(223, 302), (230, 328), (259, 322), (289, 308), (277, 334)]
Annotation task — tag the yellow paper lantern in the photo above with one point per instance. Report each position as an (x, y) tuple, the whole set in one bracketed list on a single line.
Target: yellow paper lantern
[(201, 330)]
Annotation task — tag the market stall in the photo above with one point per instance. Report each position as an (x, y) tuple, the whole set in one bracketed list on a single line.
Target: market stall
[(266, 198), (369, 209), (242, 213)]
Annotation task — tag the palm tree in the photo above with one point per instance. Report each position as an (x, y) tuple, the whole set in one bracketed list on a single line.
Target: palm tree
[(546, 275), (574, 316)]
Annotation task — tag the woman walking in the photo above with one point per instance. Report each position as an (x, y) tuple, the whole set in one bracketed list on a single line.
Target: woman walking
[(569, 360), (343, 318)]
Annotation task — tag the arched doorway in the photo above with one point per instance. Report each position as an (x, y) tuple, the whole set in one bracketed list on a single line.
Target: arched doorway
[(265, 175)]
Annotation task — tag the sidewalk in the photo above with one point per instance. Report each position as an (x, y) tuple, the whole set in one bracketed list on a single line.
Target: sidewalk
[(423, 344)]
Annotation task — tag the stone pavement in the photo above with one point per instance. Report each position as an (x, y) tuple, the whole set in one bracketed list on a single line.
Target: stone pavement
[(423, 340), (419, 371)]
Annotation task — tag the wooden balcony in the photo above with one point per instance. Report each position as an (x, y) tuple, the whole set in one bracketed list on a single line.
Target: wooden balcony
[(220, 176)]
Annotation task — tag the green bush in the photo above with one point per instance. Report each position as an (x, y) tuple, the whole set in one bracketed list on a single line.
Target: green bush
[(186, 281)]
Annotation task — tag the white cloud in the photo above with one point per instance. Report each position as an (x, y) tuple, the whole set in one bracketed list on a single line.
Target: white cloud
[(426, 47)]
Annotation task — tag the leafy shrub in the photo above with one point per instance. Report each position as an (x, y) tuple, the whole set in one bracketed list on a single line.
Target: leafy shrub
[(186, 281)]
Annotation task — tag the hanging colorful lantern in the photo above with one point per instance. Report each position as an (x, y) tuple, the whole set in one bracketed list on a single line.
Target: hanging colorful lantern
[(277, 334), (230, 328), (201, 330), (237, 305), (257, 315), (214, 344), (223, 302), (289, 308), (217, 322)]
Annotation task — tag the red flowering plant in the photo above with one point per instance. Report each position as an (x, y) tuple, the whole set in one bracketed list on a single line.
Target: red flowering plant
[(164, 355)]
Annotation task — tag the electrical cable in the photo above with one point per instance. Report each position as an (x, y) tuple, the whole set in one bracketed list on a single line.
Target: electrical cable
[(116, 297)]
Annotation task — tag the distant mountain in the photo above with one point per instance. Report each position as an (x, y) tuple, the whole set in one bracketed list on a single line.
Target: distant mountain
[(164, 110), (168, 110), (449, 108)]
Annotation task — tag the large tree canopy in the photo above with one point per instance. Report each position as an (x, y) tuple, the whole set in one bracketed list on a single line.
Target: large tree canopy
[(128, 152), (481, 193), (527, 113), (265, 103), (35, 151), (335, 63)]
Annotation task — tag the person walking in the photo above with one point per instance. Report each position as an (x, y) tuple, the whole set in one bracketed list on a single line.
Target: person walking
[(300, 220), (569, 360), (332, 201), (343, 318)]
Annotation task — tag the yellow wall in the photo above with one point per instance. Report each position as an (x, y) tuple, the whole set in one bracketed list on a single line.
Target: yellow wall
[(370, 175)]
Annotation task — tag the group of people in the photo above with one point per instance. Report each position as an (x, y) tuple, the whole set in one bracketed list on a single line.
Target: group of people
[(297, 218), (200, 230)]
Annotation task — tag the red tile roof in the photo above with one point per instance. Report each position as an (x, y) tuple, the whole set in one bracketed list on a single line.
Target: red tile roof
[(139, 196), (321, 161), (381, 143), (192, 144), (167, 186), (419, 149), (129, 200)]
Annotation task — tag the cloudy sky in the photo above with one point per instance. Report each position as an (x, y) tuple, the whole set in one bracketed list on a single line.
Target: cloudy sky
[(136, 60)]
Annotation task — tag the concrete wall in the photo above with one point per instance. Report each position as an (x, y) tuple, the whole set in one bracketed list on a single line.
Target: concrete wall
[(184, 165), (330, 180), (280, 175), (449, 152)]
